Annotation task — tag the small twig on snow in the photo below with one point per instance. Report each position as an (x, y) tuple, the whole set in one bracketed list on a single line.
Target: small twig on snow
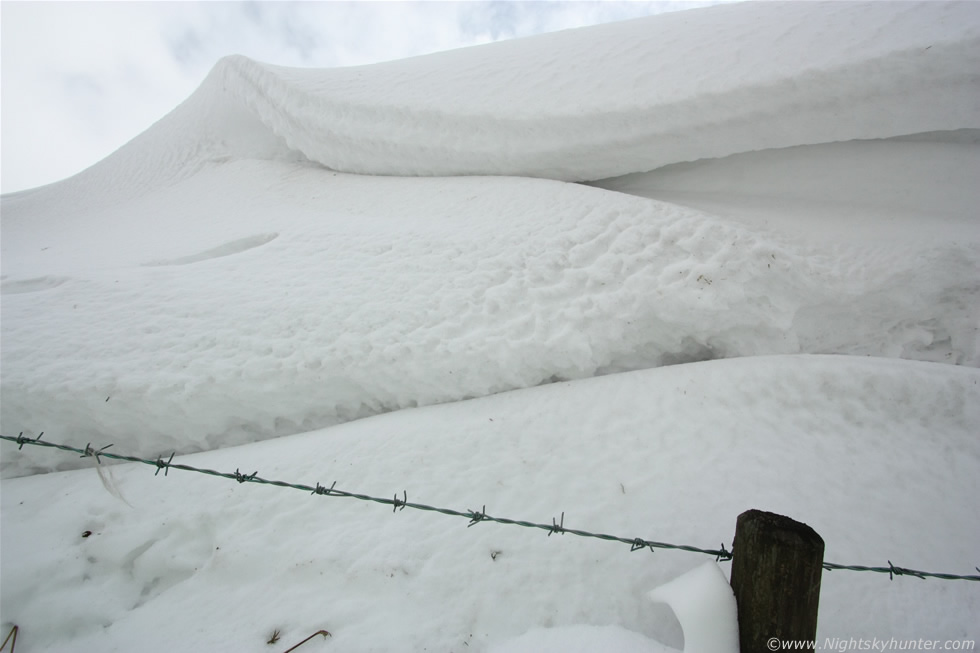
[(13, 642), (319, 632)]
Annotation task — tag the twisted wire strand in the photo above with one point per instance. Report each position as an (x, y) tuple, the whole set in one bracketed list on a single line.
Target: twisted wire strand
[(475, 517)]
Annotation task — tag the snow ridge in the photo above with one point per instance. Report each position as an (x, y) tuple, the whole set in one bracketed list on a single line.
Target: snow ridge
[(643, 121), (587, 104)]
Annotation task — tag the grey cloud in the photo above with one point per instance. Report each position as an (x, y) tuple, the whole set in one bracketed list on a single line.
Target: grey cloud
[(283, 22), (186, 47), (297, 35), (251, 28), (80, 84), (500, 19)]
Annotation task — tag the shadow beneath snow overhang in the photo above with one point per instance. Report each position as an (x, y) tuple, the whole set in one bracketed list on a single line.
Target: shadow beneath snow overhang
[(906, 188)]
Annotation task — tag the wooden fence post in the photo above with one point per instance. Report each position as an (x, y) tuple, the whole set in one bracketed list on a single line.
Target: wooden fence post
[(776, 569)]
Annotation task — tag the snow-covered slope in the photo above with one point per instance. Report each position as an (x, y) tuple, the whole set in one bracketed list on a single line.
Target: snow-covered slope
[(213, 283), (297, 298), (880, 457)]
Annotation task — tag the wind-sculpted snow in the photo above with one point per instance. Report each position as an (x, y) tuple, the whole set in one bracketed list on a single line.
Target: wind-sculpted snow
[(589, 104), (384, 293), (217, 281), (584, 104)]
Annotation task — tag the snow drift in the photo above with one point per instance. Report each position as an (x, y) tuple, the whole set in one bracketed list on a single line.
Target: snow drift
[(656, 94), (590, 103), (219, 281), (225, 279)]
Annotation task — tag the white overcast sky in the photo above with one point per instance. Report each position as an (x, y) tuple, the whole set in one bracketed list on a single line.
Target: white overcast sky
[(79, 79)]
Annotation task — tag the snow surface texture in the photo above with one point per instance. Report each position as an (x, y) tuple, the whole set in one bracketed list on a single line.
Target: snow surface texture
[(879, 456), (380, 294), (209, 284), (227, 278)]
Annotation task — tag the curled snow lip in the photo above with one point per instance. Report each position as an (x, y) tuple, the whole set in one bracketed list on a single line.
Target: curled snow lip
[(572, 121), (228, 249), (586, 104)]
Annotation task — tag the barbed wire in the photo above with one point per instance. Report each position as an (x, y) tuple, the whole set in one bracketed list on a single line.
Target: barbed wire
[(893, 571), (475, 517)]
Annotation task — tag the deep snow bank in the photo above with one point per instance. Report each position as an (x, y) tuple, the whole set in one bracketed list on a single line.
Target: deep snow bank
[(260, 299), (212, 283)]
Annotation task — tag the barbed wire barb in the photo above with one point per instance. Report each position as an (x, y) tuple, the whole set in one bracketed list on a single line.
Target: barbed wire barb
[(21, 440), (725, 555), (639, 543), (556, 527), (324, 490), (399, 504), (899, 571), (242, 478), (89, 452), (165, 466), (477, 517)]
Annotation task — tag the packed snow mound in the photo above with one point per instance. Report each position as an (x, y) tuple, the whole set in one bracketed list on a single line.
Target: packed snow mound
[(590, 103), (880, 457)]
